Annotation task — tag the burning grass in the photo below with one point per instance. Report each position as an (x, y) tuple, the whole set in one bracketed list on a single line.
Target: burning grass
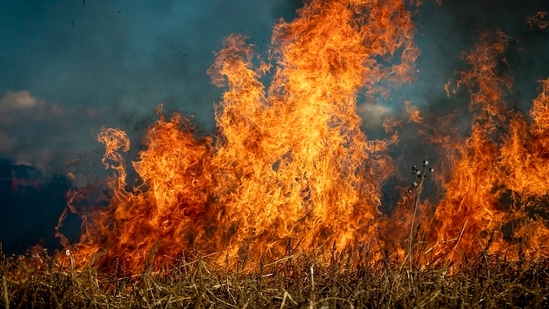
[(296, 281), (290, 161)]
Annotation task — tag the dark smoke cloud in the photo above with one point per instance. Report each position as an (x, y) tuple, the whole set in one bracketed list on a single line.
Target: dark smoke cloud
[(445, 32)]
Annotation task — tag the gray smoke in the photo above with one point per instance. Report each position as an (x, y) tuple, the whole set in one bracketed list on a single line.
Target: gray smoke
[(84, 64)]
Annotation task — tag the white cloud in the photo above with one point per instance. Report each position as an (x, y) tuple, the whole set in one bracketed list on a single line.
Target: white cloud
[(373, 115), (6, 142), (17, 100)]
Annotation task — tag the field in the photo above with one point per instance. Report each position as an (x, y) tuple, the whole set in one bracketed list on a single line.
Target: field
[(296, 200), (297, 281)]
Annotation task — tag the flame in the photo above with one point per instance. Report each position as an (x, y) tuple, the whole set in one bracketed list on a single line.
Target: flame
[(539, 20), (290, 168), (498, 175)]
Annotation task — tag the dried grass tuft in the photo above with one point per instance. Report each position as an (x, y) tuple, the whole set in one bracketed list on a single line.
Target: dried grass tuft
[(298, 281)]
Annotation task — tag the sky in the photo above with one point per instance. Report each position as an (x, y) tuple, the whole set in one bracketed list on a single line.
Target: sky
[(67, 68)]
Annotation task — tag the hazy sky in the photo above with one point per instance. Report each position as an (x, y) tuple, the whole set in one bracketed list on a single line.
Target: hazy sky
[(69, 67)]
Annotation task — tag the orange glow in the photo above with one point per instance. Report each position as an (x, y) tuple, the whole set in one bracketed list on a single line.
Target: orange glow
[(290, 168), (499, 175), (539, 20)]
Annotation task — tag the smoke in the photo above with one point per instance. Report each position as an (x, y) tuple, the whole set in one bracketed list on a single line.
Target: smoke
[(110, 63), (446, 31)]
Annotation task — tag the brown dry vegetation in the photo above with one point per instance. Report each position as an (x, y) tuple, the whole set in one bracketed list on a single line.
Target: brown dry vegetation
[(297, 281)]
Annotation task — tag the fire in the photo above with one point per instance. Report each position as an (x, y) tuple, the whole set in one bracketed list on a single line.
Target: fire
[(498, 178), (539, 20), (290, 168)]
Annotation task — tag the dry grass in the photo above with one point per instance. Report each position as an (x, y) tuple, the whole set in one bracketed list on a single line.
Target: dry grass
[(36, 281)]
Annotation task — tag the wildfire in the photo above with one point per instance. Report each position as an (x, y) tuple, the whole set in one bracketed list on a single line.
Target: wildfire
[(499, 178), (290, 169)]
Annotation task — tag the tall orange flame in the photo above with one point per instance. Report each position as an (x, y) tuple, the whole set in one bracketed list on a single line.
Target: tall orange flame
[(290, 168)]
